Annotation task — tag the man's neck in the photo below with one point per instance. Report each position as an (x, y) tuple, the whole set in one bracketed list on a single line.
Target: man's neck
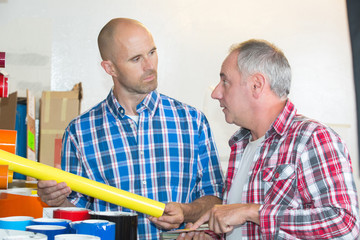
[(129, 101), (267, 116)]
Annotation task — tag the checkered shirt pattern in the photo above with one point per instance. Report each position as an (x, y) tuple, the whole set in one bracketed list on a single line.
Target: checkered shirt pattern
[(168, 156), (302, 177)]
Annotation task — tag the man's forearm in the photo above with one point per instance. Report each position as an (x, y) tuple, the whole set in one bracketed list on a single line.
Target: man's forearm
[(192, 211)]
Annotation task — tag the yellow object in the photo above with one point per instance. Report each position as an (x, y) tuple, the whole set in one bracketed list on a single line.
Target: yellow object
[(10, 176), (6, 176), (31, 184), (83, 185)]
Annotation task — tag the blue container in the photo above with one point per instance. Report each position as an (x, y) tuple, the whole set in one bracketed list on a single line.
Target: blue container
[(101, 228), (52, 221), (15, 223), (49, 230), (21, 136)]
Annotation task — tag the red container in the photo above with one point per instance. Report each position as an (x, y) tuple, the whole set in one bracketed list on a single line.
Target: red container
[(72, 213), (2, 59), (4, 89)]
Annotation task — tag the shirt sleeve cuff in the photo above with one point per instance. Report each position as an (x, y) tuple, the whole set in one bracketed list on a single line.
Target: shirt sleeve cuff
[(271, 217)]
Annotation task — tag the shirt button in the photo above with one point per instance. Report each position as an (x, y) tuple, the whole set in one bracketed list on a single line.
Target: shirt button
[(122, 111), (142, 153), (144, 182), (277, 175)]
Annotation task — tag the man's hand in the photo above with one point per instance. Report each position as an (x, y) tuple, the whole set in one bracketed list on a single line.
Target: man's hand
[(223, 218), (172, 217), (54, 194), (177, 213), (194, 235)]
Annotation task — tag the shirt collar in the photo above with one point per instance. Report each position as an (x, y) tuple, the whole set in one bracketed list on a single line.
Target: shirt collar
[(150, 103), (280, 125), (284, 119)]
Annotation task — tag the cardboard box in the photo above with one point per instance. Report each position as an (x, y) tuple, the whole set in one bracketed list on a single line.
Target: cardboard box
[(30, 126), (12, 118), (57, 109), (19, 114), (8, 111)]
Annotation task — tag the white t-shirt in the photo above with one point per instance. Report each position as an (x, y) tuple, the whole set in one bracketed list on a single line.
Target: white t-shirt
[(241, 177), (134, 117)]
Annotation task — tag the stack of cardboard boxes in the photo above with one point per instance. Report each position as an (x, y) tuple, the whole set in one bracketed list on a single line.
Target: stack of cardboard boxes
[(57, 109), (18, 133)]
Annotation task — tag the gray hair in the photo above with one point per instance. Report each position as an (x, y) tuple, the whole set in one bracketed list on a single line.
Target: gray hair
[(260, 56)]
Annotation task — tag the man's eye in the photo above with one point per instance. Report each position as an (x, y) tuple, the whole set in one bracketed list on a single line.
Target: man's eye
[(136, 59)]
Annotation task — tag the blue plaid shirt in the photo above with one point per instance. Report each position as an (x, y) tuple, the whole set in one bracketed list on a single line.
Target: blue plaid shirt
[(168, 156)]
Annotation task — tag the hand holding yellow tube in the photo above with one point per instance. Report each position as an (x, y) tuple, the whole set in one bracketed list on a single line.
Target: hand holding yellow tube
[(83, 185)]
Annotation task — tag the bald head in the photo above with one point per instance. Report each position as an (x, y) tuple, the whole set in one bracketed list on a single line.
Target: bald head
[(118, 29)]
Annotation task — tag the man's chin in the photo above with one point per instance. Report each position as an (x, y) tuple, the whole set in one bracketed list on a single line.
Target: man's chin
[(229, 120), (150, 87)]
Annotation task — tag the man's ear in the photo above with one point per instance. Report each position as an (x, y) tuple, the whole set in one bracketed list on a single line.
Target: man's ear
[(108, 67), (258, 82)]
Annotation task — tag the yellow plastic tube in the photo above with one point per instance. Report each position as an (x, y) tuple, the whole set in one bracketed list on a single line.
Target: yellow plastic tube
[(82, 185)]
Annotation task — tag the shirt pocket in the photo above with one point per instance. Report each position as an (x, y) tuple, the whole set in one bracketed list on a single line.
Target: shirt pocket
[(278, 183)]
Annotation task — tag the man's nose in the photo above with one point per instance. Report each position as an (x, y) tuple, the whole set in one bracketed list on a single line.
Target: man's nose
[(216, 93), (148, 64)]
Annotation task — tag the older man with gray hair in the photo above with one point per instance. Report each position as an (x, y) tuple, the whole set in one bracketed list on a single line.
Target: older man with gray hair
[(289, 177)]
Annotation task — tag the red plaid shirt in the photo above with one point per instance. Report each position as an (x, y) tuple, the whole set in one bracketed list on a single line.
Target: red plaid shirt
[(302, 176)]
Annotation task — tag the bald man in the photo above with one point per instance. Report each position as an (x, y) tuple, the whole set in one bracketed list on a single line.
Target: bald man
[(139, 140)]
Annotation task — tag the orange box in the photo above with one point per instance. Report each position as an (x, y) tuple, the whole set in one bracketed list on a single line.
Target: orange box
[(19, 205), (8, 140), (7, 143)]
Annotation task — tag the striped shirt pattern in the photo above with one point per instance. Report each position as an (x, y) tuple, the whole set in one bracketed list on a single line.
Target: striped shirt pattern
[(302, 176), (168, 156)]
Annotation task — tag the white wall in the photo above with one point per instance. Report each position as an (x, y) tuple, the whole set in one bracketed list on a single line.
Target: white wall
[(52, 45)]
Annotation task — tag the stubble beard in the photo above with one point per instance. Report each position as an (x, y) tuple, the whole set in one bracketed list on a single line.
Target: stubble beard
[(148, 86)]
